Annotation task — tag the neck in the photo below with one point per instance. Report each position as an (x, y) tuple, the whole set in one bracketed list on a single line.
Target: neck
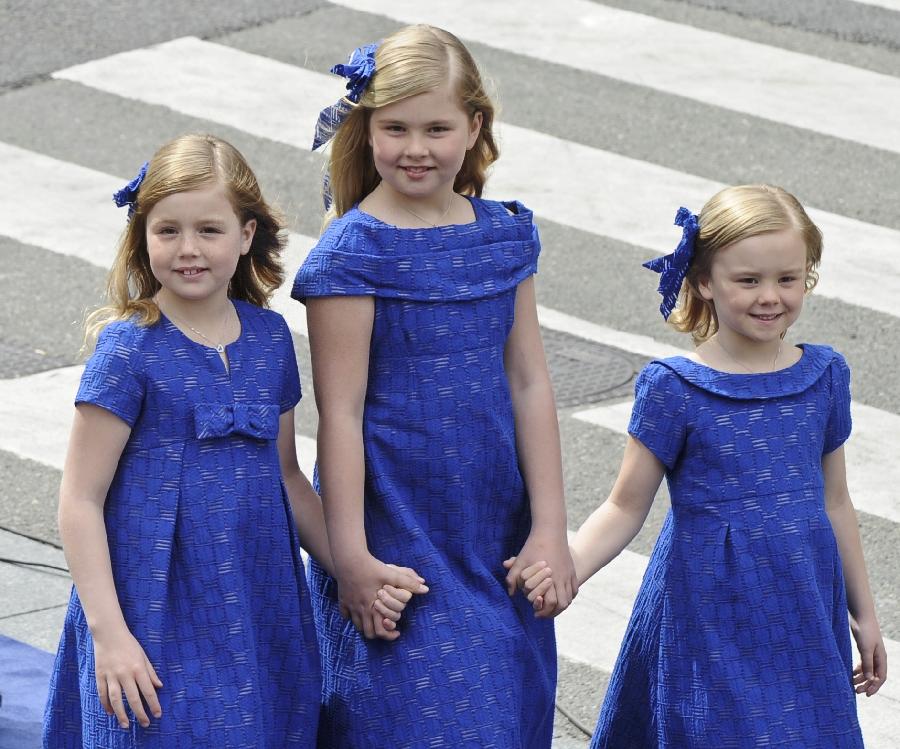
[(202, 313), (749, 356)]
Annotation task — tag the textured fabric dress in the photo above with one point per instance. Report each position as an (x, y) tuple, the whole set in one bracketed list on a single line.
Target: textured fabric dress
[(739, 635), (443, 491), (204, 552)]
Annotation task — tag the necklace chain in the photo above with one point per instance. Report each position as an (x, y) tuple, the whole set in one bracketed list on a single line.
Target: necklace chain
[(744, 366), (218, 346), (433, 225)]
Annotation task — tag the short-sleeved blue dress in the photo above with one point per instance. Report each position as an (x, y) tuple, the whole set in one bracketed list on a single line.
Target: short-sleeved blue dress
[(204, 553), (739, 635), (443, 490)]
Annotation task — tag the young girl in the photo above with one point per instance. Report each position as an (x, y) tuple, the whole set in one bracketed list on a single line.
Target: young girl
[(438, 440), (190, 623), (739, 635)]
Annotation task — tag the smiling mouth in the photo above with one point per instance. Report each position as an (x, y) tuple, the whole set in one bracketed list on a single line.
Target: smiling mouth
[(415, 169), (767, 318), (190, 271)]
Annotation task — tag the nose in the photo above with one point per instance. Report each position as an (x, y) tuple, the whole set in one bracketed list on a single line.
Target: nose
[(188, 245), (768, 293), (416, 147)]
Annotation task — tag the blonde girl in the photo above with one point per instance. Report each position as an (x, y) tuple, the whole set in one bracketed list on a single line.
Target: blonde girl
[(438, 440), (189, 623), (739, 635)]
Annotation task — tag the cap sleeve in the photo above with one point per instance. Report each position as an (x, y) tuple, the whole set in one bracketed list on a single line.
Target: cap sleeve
[(112, 377), (290, 387), (837, 430), (658, 415)]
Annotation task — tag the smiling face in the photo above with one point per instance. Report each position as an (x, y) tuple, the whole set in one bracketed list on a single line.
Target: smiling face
[(194, 242), (419, 144), (757, 286)]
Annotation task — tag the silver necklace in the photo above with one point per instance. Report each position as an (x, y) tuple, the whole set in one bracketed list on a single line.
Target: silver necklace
[(219, 347), (425, 220), (744, 366)]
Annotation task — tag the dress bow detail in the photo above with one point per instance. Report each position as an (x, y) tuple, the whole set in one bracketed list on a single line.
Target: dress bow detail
[(257, 420)]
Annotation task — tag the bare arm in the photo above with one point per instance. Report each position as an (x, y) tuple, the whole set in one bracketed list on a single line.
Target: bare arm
[(95, 446), (537, 443), (872, 672), (305, 503), (612, 526), (340, 329)]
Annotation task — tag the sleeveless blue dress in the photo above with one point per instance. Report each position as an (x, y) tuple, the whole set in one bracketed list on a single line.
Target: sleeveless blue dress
[(443, 491), (739, 635), (204, 551)]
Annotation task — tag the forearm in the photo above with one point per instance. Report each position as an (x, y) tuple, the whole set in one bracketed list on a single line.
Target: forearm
[(342, 478), (85, 543), (842, 515), (309, 518), (604, 535), (538, 447)]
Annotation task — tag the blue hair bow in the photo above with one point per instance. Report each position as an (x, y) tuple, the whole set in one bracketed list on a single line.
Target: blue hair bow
[(672, 268), (128, 194), (358, 70)]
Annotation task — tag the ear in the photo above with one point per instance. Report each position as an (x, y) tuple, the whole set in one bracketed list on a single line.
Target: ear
[(703, 288), (247, 232), (474, 129)]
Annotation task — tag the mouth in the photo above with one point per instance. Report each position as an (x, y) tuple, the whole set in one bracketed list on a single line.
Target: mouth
[(416, 170), (767, 318), (188, 272)]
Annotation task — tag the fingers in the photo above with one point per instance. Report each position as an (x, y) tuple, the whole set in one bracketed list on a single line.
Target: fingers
[(406, 578), (148, 683), (115, 700), (380, 631), (394, 598), (103, 694), (513, 576), (508, 563), (549, 608), (539, 591), (133, 695), (386, 612), (530, 581)]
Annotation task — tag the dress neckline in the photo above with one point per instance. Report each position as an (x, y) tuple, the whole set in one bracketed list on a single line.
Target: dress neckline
[(370, 219)]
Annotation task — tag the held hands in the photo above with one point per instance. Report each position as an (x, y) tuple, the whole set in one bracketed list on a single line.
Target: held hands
[(545, 572), (394, 587), (121, 666), (870, 674)]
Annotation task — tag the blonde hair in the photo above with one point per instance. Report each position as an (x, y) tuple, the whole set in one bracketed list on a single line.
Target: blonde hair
[(729, 216), (191, 162), (411, 61)]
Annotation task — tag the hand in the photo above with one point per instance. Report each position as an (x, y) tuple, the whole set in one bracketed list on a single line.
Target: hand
[(376, 615), (870, 674), (534, 581), (554, 550), (121, 665)]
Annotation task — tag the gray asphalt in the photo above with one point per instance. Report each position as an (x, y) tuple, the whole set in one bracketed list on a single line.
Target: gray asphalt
[(114, 135)]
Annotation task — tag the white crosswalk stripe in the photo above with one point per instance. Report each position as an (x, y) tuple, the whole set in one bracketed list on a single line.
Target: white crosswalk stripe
[(224, 86)]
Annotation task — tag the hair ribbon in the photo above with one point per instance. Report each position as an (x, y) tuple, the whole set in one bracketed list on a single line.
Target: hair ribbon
[(128, 194), (672, 268), (358, 70)]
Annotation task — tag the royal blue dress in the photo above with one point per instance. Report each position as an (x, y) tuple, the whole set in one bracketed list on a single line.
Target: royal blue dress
[(204, 551), (443, 490), (739, 635)]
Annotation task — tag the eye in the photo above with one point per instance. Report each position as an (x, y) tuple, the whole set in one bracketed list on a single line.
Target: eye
[(747, 281), (211, 230), (166, 230), (394, 128), (439, 129)]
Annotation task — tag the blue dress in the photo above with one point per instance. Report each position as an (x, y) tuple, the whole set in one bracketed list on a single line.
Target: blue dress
[(443, 491), (739, 635), (204, 552)]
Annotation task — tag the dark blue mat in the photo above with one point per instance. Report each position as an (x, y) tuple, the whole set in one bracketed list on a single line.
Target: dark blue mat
[(24, 676)]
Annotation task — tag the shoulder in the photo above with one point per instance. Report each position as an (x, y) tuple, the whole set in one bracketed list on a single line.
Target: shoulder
[(660, 374), (826, 359), (262, 320), (354, 232), (123, 338)]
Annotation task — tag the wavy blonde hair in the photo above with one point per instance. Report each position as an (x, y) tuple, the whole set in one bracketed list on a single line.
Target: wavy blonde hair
[(729, 216), (190, 162), (411, 61)]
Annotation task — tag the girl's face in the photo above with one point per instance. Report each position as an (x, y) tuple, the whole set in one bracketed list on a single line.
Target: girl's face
[(194, 240), (419, 144), (757, 286)]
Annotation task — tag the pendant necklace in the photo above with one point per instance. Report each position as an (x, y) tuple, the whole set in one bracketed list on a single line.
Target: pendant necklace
[(219, 347), (425, 220), (744, 366)]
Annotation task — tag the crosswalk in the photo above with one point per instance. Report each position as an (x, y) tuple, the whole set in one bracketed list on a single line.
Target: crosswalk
[(604, 204)]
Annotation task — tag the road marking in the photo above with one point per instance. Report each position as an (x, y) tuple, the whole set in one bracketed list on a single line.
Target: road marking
[(764, 81), (873, 473), (228, 86)]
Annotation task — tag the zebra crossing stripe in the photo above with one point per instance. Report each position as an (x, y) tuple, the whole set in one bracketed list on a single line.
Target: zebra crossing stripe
[(230, 87), (763, 81)]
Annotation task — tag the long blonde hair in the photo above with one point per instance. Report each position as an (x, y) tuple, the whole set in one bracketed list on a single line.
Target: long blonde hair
[(729, 216), (187, 163), (411, 61)]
